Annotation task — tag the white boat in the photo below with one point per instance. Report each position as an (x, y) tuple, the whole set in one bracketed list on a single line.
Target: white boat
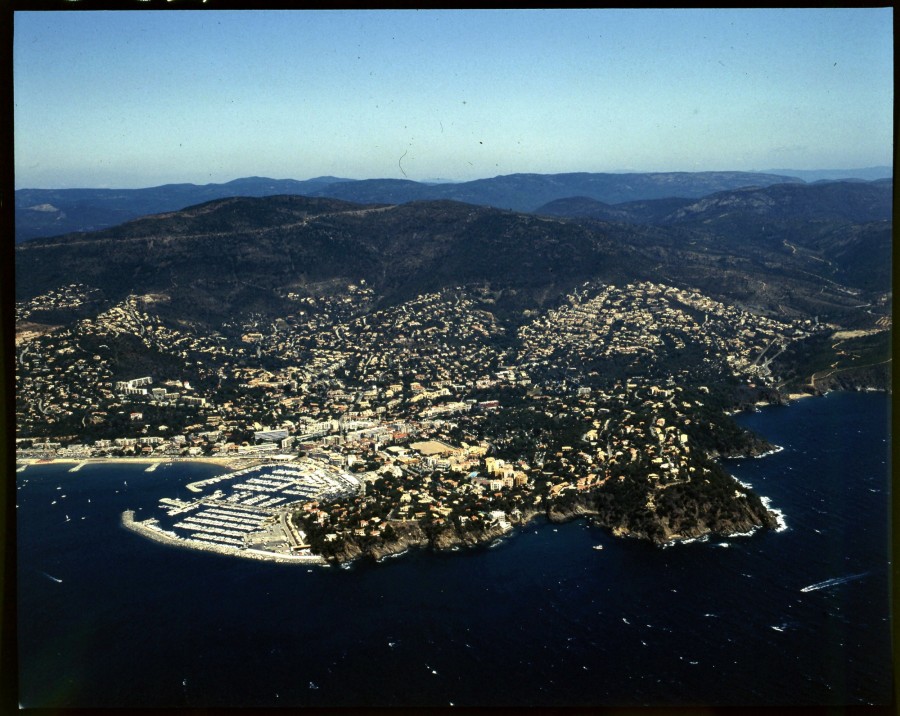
[(598, 546)]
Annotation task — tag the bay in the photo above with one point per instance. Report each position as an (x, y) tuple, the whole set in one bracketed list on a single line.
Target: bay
[(792, 617)]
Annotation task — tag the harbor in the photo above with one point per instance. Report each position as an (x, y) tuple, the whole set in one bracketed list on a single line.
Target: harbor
[(248, 514)]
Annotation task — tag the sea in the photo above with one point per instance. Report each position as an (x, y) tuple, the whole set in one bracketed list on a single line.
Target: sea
[(799, 616)]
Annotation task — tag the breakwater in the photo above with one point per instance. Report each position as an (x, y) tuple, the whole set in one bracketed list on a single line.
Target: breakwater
[(149, 530)]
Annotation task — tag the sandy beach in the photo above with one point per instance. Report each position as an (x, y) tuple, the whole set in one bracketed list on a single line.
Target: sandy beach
[(231, 463)]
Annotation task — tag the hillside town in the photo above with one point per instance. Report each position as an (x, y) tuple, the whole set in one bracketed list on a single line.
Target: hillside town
[(444, 415)]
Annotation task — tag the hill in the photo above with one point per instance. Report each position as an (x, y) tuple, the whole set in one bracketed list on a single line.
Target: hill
[(526, 192), (51, 212), (813, 175), (246, 254), (850, 202), (654, 211), (249, 252), (839, 231)]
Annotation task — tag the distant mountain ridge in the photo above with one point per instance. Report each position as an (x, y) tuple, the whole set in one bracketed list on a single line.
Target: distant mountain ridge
[(846, 226), (850, 201), (52, 212), (862, 174), (526, 192)]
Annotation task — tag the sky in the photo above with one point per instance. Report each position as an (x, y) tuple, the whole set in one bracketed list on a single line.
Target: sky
[(130, 99)]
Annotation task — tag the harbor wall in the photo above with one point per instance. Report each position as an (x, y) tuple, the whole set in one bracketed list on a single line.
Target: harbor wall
[(158, 535)]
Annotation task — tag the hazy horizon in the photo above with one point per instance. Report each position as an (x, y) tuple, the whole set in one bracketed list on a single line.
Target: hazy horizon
[(440, 180), (140, 99)]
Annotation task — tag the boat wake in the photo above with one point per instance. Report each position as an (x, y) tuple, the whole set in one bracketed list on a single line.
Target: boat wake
[(835, 581), (50, 576)]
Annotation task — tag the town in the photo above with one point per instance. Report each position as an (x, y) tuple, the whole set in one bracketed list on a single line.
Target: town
[(446, 417)]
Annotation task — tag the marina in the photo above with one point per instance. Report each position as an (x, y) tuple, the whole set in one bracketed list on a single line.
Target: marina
[(248, 513)]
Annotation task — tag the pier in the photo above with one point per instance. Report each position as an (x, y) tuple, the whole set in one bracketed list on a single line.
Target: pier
[(200, 484), (78, 466)]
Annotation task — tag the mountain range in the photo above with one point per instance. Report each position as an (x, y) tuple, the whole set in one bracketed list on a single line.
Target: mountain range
[(862, 174), (828, 201), (50, 212), (787, 249)]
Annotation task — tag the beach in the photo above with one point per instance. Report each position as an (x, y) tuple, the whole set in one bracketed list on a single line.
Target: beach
[(230, 463)]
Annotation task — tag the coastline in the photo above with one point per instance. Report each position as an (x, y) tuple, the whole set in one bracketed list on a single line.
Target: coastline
[(446, 541), (230, 463), (403, 545)]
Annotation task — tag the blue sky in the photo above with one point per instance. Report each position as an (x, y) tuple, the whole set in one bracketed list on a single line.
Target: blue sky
[(130, 99)]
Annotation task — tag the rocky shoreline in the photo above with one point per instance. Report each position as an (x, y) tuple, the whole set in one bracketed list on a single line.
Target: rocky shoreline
[(411, 535), (661, 532), (748, 513)]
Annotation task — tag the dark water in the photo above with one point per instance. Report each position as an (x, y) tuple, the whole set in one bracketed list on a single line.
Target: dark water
[(107, 618)]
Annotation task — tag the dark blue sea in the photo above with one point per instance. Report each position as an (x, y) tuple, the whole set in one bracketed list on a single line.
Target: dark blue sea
[(796, 617)]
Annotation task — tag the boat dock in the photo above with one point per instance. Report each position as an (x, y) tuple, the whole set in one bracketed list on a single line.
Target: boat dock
[(78, 467)]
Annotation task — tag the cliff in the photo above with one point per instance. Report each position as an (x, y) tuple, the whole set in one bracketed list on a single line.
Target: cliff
[(871, 377), (693, 518), (715, 506), (403, 536)]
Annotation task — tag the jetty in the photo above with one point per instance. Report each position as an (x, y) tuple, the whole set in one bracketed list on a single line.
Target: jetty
[(151, 530), (200, 484), (78, 466)]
